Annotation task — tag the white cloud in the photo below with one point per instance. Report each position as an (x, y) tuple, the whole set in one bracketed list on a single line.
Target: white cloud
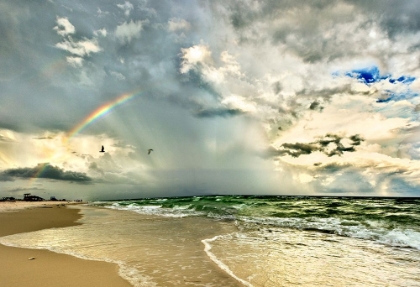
[(75, 61), (416, 85), (194, 56), (199, 58), (231, 66), (376, 156), (176, 24), (346, 116), (126, 7), (101, 32), (64, 27), (80, 48), (126, 32), (238, 102)]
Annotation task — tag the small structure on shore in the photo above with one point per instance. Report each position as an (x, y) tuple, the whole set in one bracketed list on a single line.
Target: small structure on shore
[(10, 198), (29, 197)]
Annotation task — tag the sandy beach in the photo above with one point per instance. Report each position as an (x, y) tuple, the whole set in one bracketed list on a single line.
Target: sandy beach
[(47, 268)]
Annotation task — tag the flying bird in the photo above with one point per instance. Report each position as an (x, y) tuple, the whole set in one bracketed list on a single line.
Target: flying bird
[(103, 149), (149, 151)]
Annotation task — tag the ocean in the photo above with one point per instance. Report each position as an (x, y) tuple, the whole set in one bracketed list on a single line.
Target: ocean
[(246, 240)]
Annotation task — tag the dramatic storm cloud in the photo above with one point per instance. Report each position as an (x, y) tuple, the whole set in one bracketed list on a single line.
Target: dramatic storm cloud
[(46, 171), (251, 97)]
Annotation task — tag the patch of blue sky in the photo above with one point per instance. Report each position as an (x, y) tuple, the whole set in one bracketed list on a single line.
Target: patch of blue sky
[(403, 79), (371, 75), (367, 75)]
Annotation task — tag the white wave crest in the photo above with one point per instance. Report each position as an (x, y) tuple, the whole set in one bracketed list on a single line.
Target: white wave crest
[(398, 237), (224, 267), (177, 211)]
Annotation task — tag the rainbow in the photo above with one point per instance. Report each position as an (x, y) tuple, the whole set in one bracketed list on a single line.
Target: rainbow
[(100, 112), (93, 116), (39, 170)]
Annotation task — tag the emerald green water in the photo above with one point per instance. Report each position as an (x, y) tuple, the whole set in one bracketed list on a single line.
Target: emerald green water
[(246, 241), (391, 221)]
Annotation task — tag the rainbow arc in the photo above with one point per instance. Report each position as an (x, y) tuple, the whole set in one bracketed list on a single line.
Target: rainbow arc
[(89, 119), (100, 112)]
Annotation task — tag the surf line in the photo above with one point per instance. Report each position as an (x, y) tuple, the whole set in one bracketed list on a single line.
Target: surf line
[(224, 267)]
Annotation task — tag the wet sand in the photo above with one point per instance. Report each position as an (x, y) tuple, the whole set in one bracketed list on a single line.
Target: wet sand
[(47, 268)]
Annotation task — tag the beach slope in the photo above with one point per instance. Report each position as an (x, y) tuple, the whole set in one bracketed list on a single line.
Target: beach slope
[(17, 268)]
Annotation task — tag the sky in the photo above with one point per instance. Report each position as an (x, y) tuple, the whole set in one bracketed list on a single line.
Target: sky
[(234, 97)]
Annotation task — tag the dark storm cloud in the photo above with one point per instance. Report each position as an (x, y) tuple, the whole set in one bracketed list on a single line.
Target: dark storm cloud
[(298, 149), (330, 145), (19, 189), (62, 90), (277, 87), (45, 170), (37, 61), (356, 139), (314, 105), (35, 69), (38, 72), (302, 34), (307, 33), (396, 18), (194, 78), (243, 15), (4, 177), (331, 168), (326, 93), (210, 113)]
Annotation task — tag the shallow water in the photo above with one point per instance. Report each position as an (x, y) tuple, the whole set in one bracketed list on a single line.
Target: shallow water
[(242, 241), (284, 257), (150, 250)]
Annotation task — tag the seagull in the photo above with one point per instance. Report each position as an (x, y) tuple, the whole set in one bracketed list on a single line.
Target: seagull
[(149, 151), (102, 150)]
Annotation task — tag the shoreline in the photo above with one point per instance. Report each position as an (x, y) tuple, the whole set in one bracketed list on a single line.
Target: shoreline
[(47, 268)]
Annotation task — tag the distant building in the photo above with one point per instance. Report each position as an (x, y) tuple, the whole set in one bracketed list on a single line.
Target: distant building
[(29, 197), (10, 198)]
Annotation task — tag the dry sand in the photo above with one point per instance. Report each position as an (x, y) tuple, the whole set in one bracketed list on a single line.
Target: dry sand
[(16, 205), (48, 268)]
